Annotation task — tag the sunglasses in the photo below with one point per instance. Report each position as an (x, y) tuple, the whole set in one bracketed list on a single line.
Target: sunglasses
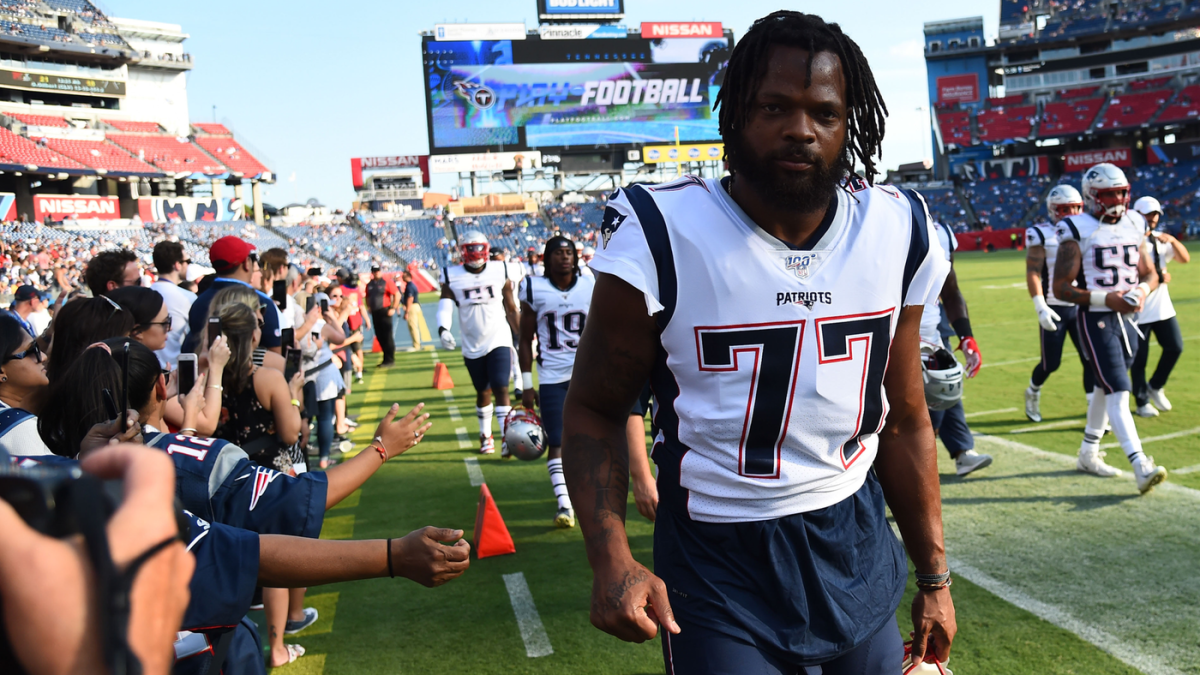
[(262, 324), (31, 349), (115, 307), (165, 324)]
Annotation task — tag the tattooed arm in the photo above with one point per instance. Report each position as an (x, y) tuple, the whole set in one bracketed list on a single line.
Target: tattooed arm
[(613, 362), (1035, 260)]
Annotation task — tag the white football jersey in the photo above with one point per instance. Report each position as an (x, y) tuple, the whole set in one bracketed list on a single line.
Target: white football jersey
[(768, 389), (1046, 236), (931, 317), (1109, 251), (480, 300), (560, 318), (1158, 305)]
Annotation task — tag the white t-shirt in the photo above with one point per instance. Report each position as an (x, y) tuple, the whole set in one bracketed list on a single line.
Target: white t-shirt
[(23, 438), (1158, 305), (40, 320), (179, 304)]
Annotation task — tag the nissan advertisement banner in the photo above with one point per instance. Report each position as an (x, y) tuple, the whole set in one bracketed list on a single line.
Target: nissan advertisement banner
[(360, 164), (958, 88), (1080, 161), (78, 207), (676, 29)]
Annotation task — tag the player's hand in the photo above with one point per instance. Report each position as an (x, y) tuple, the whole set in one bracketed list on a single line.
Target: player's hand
[(422, 557), (933, 617), (529, 399), (447, 339), (970, 349), (1047, 317), (629, 602), (645, 496), (398, 436), (1117, 302)]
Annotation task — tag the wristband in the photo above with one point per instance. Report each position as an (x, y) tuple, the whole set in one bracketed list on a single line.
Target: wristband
[(1098, 299), (933, 579), (527, 381), (215, 386), (296, 403), (187, 431), (441, 329), (1145, 289), (962, 327), (926, 588)]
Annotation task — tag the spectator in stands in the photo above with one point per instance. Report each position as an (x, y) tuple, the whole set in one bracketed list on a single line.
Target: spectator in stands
[(412, 311), (171, 263), (274, 263), (22, 373), (151, 320), (323, 381), (25, 302), (235, 263), (112, 269), (383, 300), (82, 322), (238, 294)]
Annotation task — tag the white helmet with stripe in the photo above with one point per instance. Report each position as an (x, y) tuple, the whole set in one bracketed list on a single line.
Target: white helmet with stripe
[(1061, 201), (943, 376), (1105, 191)]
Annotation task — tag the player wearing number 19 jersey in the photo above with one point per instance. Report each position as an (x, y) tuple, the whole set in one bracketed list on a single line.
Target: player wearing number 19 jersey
[(1101, 250), (776, 314), (554, 309)]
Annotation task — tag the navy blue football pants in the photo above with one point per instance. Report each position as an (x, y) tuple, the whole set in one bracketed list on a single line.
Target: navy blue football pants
[(551, 398), (491, 371), (951, 427), (1111, 342), (1171, 340), (699, 650), (1052, 342)]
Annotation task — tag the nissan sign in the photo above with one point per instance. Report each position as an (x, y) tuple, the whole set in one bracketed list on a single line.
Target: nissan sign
[(1079, 161), (58, 207), (672, 29)]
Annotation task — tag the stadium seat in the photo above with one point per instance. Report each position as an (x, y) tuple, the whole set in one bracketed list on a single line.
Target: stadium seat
[(40, 120), (100, 155), (956, 127), (169, 154), (135, 127), (1185, 107), (16, 149), (1001, 123), (1133, 109), (1066, 118), (944, 207), (232, 155), (1002, 203)]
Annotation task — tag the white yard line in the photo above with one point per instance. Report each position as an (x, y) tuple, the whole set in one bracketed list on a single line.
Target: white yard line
[(464, 441), (1152, 439), (1006, 286), (1128, 654), (454, 414), (1187, 469), (1009, 363), (473, 471), (449, 394), (533, 633), (1001, 411), (1052, 425)]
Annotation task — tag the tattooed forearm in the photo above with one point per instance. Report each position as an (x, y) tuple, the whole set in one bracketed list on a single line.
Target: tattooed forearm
[(1066, 269), (1035, 262)]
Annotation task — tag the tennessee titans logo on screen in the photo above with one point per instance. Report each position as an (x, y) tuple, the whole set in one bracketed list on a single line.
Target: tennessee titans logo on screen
[(612, 220), (480, 96), (802, 264)]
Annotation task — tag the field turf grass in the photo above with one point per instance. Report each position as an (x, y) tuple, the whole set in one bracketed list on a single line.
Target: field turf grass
[(1056, 571)]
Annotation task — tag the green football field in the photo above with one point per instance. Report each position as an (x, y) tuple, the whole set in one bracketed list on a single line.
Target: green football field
[(1055, 571)]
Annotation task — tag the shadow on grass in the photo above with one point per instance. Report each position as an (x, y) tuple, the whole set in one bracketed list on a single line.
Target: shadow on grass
[(1077, 502), (953, 479)]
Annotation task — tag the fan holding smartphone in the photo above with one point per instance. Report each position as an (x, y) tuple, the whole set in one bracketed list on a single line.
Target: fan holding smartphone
[(322, 377)]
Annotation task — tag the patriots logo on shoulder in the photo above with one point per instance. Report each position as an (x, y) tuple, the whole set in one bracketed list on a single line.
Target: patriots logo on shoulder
[(803, 264), (263, 477), (608, 227)]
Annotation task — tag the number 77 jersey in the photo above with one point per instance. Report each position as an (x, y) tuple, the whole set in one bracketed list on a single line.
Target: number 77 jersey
[(768, 386)]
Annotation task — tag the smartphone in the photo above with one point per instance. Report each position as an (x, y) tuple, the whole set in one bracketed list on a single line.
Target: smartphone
[(124, 388), (214, 329), (315, 336), (292, 364), (279, 293), (309, 303), (187, 373), (287, 337), (324, 305), (110, 404)]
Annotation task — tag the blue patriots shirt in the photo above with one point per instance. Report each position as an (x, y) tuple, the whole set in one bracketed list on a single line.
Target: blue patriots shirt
[(216, 480)]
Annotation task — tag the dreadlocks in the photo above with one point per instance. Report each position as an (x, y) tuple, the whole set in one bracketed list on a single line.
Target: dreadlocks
[(748, 65)]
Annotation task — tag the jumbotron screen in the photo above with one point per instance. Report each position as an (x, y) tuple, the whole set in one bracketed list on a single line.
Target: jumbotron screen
[(553, 94)]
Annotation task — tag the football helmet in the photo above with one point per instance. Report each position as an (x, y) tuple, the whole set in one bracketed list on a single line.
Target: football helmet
[(524, 434), (943, 376), (588, 253), (474, 248), (1063, 201), (1147, 205), (1105, 191), (932, 667)]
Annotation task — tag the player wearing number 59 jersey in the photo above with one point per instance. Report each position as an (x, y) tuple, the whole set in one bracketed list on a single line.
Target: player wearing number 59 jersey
[(776, 314), (554, 308), (1101, 250)]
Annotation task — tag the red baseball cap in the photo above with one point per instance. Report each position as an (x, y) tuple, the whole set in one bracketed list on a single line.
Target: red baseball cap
[(227, 253)]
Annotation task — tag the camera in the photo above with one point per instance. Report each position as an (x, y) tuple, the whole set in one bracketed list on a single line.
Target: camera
[(46, 496)]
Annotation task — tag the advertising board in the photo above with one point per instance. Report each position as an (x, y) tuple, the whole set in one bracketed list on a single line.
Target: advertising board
[(580, 9), (360, 164), (189, 209), (696, 152), (581, 31), (507, 96), (674, 29), (1086, 159), (958, 88), (485, 161), (454, 32), (58, 207)]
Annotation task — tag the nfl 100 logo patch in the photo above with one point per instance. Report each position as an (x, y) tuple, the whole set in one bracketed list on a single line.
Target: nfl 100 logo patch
[(803, 264)]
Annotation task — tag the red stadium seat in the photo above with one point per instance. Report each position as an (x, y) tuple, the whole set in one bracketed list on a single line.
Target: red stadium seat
[(1132, 110), (169, 154), (212, 129), (1003, 123), (232, 154), (1185, 107), (40, 120), (1064, 118), (136, 127), (100, 155), (16, 149), (956, 127)]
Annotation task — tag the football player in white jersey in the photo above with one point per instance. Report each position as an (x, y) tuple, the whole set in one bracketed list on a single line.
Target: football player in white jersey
[(789, 401), (553, 310), (482, 290), (943, 316), (1102, 249), (1158, 315), (1056, 319)]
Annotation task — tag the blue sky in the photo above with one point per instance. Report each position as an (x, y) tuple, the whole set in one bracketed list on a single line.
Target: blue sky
[(308, 85)]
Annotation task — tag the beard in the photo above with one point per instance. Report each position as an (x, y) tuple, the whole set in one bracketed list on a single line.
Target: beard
[(799, 191)]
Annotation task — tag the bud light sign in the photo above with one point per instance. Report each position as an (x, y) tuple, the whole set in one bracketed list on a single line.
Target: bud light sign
[(575, 8)]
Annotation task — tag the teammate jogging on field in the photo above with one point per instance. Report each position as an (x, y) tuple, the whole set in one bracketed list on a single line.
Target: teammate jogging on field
[(1102, 248), (776, 314), (553, 309), (1158, 315), (942, 317), (487, 317), (1056, 319)]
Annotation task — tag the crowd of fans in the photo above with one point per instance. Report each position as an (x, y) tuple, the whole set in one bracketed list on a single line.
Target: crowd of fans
[(225, 379)]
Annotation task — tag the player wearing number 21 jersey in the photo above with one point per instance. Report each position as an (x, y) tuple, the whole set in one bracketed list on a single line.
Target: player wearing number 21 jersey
[(554, 308)]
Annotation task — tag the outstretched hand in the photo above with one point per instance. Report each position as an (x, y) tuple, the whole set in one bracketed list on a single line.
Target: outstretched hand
[(400, 435), (422, 557)]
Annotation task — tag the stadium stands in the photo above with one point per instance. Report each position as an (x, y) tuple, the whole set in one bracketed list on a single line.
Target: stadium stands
[(956, 127), (1078, 92), (1002, 123), (16, 149), (945, 208), (212, 128), (1066, 118), (100, 155), (232, 155), (1132, 109), (169, 154), (135, 127), (40, 120), (1003, 203), (1186, 106)]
